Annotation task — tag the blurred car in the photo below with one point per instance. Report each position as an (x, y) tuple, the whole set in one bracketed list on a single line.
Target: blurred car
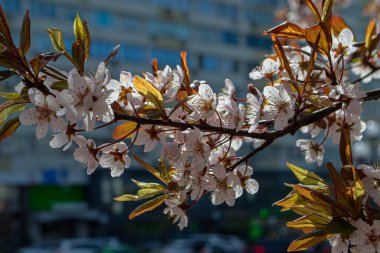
[(210, 243), (275, 245), (48, 246), (77, 245), (120, 249)]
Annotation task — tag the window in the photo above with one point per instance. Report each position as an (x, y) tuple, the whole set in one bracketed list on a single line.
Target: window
[(100, 49), (166, 56), (228, 11), (173, 5), (259, 41), (103, 18), (43, 9), (133, 53), (230, 38), (158, 29), (207, 7), (208, 63), (229, 65), (11, 6)]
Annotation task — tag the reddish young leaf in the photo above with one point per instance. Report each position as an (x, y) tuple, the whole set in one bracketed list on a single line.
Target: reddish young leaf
[(185, 67), (337, 25), (25, 34), (345, 145), (314, 10), (325, 40), (281, 54), (287, 30)]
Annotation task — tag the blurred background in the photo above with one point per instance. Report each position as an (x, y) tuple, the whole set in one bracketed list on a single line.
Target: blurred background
[(47, 202)]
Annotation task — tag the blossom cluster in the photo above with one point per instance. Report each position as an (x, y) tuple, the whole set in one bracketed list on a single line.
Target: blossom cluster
[(201, 162)]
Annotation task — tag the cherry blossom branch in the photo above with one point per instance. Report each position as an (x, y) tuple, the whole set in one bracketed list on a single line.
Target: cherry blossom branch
[(269, 136)]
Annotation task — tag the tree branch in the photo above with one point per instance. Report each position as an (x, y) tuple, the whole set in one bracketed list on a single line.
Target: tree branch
[(268, 136)]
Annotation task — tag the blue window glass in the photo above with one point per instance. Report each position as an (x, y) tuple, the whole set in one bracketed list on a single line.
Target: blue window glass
[(209, 63), (158, 29), (228, 11), (166, 56), (133, 53), (100, 49), (11, 6), (259, 41), (229, 65), (230, 38), (207, 7), (174, 5), (43, 9), (103, 18)]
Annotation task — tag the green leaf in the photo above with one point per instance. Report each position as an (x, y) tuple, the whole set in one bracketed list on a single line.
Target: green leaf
[(125, 130), (5, 74), (149, 168), (291, 200), (56, 39), (78, 29), (9, 107), (9, 128), (144, 185), (148, 192), (149, 91), (25, 34), (127, 197), (327, 10), (308, 240), (60, 85), (82, 35), (148, 206), (308, 223), (10, 95), (305, 176)]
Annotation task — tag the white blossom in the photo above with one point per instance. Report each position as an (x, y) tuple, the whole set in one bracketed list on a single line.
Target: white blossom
[(148, 135), (204, 103), (254, 110), (279, 105), (178, 214), (268, 69), (244, 172), (343, 44), (115, 157), (86, 153), (42, 114), (224, 191), (338, 244), (313, 152), (366, 237)]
